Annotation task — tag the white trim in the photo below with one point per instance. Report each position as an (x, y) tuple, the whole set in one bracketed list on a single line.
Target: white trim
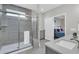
[(17, 52), (60, 14), (65, 14)]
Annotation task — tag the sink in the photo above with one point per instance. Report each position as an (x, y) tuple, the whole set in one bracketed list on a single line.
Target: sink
[(66, 44)]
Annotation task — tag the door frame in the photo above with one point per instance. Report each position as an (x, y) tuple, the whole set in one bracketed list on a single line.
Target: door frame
[(65, 14)]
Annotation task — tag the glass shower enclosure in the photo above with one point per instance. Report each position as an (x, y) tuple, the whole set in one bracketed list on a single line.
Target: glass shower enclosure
[(15, 28)]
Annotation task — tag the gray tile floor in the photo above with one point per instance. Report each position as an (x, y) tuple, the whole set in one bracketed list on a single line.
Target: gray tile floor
[(40, 50)]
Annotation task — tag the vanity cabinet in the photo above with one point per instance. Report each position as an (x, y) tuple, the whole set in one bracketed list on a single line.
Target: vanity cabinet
[(50, 51)]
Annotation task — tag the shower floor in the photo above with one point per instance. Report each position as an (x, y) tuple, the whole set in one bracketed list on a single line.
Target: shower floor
[(13, 47)]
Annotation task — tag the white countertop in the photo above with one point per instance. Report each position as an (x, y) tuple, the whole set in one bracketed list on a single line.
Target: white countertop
[(52, 45)]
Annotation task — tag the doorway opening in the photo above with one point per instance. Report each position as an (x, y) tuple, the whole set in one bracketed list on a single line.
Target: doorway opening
[(59, 26)]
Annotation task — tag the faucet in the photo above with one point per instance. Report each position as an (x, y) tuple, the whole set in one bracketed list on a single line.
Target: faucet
[(76, 40)]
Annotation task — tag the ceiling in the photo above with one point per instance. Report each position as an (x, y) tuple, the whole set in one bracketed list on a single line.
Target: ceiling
[(43, 7)]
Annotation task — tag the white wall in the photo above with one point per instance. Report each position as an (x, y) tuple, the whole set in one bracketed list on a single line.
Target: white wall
[(49, 28), (29, 6), (60, 22), (72, 16), (41, 22)]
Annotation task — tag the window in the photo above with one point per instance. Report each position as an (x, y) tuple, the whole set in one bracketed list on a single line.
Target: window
[(9, 14), (14, 11), (22, 16), (15, 15)]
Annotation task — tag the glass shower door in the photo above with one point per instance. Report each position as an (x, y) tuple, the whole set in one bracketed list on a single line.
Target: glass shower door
[(15, 29), (16, 35), (9, 33), (24, 32)]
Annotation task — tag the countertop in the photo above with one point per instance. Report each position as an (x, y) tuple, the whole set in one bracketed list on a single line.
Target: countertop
[(52, 45)]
